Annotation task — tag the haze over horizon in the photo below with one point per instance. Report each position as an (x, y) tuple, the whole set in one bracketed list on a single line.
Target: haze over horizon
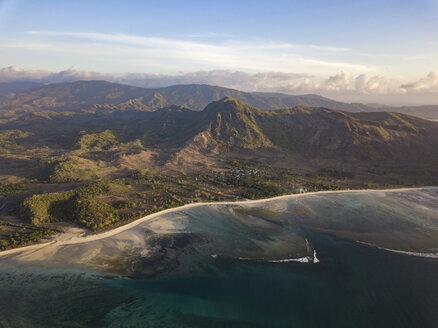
[(369, 52)]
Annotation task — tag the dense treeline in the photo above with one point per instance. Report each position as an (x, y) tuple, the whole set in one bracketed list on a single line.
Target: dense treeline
[(92, 213), (11, 188), (24, 234), (45, 208), (80, 206)]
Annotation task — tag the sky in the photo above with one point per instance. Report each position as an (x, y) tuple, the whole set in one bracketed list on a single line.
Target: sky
[(356, 51)]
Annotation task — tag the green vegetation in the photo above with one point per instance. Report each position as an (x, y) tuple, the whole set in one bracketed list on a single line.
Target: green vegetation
[(93, 189), (125, 204), (45, 208), (17, 235), (69, 171), (80, 206), (97, 141), (92, 213), (144, 177), (253, 187), (11, 188), (336, 173), (9, 138)]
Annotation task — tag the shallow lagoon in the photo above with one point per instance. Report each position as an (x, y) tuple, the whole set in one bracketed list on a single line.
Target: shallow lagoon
[(187, 268)]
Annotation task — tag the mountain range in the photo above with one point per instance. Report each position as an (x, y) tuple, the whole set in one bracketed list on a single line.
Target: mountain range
[(310, 138), (187, 126), (106, 96), (230, 126), (83, 148)]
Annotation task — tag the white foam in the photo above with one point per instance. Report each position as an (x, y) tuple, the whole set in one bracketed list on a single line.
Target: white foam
[(420, 254), (429, 255), (305, 259), (315, 259), (300, 259)]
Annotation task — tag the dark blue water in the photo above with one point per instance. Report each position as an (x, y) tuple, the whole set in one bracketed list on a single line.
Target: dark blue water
[(352, 286)]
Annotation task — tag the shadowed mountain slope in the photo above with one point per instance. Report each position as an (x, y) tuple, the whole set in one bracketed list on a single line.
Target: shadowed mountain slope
[(8, 90), (229, 124)]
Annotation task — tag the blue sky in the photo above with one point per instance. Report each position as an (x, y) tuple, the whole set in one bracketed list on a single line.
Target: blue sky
[(365, 47)]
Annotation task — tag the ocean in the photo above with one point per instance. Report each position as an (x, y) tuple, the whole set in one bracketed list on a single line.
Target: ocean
[(221, 271)]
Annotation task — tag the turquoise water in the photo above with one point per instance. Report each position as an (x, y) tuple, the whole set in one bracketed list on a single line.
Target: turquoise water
[(191, 274), (352, 286)]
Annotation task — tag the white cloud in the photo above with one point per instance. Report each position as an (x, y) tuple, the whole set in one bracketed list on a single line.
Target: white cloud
[(343, 82), (14, 73), (231, 79), (347, 84), (342, 86), (375, 85), (137, 40), (225, 78), (427, 83), (339, 81), (157, 54)]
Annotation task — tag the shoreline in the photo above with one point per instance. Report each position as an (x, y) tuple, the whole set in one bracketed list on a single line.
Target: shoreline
[(110, 233)]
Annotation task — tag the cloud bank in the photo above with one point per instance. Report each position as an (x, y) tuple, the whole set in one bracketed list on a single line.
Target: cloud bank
[(343, 85), (14, 73)]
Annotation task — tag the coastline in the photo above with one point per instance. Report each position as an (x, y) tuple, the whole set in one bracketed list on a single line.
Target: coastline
[(79, 240)]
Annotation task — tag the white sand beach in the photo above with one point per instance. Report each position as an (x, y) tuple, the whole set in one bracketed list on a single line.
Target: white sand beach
[(75, 236)]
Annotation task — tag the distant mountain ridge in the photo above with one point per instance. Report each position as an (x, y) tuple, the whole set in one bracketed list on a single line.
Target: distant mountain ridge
[(107, 96), (9, 89)]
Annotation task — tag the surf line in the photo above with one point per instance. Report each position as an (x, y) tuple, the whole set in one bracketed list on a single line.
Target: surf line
[(419, 254), (306, 259)]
